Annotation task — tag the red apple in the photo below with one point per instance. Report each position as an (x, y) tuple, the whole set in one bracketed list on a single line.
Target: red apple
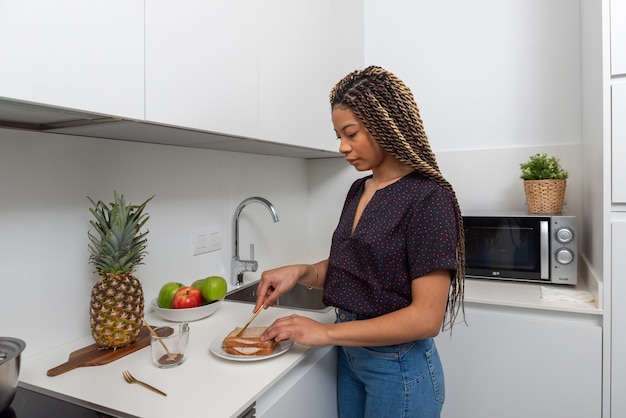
[(187, 297)]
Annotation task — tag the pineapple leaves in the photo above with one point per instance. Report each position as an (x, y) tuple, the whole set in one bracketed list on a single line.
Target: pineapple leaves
[(117, 246)]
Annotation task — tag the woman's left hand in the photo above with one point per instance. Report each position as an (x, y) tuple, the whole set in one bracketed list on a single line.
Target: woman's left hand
[(299, 329)]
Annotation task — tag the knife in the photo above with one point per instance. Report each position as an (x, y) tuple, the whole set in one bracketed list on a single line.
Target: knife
[(240, 333)]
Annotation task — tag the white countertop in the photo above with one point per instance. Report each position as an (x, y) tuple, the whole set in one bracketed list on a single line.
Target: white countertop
[(204, 385), (525, 295)]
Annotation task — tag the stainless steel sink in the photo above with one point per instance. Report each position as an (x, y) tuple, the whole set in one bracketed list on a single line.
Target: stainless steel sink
[(297, 298)]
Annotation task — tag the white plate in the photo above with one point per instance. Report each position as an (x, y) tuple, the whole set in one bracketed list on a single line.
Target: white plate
[(216, 348)]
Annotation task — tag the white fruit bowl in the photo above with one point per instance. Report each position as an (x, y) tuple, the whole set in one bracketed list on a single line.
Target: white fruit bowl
[(186, 314)]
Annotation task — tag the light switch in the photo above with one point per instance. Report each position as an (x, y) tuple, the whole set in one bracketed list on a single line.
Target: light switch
[(206, 240)]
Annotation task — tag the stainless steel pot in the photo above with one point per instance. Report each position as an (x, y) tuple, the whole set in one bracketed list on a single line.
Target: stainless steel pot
[(10, 352)]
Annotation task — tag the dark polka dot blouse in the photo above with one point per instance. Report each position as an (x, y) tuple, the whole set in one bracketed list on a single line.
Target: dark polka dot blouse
[(408, 229)]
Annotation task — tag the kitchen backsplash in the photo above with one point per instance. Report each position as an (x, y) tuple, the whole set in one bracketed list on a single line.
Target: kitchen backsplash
[(44, 218)]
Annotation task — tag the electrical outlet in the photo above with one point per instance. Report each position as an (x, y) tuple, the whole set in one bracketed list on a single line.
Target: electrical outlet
[(206, 240)]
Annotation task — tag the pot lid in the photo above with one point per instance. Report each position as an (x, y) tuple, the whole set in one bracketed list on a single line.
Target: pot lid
[(10, 348)]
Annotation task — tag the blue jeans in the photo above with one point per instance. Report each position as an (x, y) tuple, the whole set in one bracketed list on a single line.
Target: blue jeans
[(398, 381)]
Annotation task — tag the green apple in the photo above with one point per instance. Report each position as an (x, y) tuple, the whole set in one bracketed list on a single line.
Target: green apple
[(214, 288), (166, 294), (198, 284)]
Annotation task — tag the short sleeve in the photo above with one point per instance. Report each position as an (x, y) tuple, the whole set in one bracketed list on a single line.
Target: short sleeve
[(432, 234)]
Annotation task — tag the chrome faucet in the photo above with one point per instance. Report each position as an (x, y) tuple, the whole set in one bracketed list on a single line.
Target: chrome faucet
[(238, 266)]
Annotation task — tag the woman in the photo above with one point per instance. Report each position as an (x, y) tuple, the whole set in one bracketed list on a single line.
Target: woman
[(396, 266)]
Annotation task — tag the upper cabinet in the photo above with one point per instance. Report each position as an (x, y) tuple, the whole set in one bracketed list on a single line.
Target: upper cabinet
[(74, 54), (202, 65), (618, 37), (258, 70), (219, 75), (305, 47)]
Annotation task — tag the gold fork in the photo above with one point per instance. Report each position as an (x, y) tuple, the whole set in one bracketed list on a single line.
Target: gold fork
[(131, 379)]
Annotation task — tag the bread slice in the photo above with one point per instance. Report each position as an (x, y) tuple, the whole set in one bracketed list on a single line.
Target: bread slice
[(249, 343)]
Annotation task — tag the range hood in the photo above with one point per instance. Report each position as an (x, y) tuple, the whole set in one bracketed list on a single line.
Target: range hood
[(40, 118)]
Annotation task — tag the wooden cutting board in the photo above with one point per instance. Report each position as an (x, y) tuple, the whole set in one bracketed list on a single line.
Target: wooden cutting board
[(92, 355)]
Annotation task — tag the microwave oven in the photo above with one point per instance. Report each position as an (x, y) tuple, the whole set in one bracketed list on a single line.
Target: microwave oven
[(521, 247)]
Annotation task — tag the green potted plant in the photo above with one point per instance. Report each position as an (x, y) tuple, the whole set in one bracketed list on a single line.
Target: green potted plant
[(544, 184)]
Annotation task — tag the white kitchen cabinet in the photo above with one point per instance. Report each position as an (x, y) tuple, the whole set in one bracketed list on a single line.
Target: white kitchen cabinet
[(260, 71), (618, 142), (618, 321), (309, 391), (618, 37), (74, 54), (305, 47), (202, 65), (243, 69), (516, 364)]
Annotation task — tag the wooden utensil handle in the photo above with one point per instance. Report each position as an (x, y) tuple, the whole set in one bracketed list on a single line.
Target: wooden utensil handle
[(62, 368)]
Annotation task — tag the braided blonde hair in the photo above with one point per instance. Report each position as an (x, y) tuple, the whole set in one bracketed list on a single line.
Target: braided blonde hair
[(387, 109)]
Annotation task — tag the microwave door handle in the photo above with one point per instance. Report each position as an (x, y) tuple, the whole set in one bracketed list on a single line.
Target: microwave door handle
[(544, 249)]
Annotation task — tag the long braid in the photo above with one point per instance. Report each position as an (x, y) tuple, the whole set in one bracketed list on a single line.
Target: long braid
[(387, 108)]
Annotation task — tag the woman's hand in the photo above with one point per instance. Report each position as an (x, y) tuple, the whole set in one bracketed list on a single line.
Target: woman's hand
[(299, 329), (281, 280), (276, 282)]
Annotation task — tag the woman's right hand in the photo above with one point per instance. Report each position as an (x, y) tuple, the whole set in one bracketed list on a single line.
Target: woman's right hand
[(277, 282)]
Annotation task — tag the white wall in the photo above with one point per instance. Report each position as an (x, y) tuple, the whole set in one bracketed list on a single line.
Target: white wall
[(482, 180), (496, 82), (44, 218), (485, 73), (490, 179)]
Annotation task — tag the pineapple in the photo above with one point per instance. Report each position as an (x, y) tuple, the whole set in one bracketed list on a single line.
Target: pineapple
[(116, 249)]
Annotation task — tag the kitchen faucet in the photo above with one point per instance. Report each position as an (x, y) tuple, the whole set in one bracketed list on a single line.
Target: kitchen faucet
[(238, 266)]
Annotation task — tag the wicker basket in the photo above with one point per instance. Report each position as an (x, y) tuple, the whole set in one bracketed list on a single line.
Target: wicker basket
[(545, 196)]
